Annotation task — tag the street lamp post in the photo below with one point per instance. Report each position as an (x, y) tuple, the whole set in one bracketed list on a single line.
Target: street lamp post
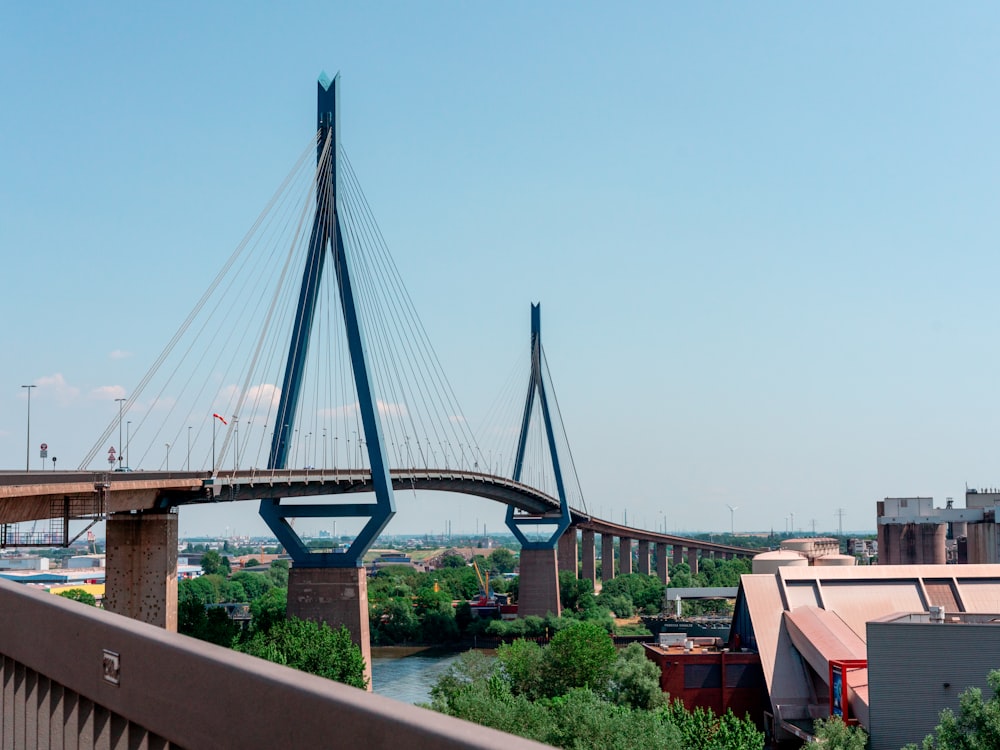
[(168, 456), (189, 449), (128, 439), (27, 444), (121, 447)]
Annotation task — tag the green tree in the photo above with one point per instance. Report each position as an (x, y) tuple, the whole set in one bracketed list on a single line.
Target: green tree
[(279, 573), (520, 663), (452, 561), (393, 620), (580, 655), (268, 609), (834, 734), (700, 729), (575, 594), (502, 560), (977, 725), (211, 562), (635, 680), (645, 592), (79, 595), (310, 647)]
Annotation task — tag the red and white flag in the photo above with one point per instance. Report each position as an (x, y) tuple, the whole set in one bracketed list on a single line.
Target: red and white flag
[(219, 417)]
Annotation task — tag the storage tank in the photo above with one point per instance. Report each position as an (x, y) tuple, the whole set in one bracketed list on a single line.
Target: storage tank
[(769, 562), (825, 560)]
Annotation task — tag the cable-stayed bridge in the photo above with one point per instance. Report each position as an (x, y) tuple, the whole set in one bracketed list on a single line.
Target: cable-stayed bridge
[(302, 377)]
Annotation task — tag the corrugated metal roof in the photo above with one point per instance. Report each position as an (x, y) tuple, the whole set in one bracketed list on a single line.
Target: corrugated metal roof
[(856, 595), (820, 637)]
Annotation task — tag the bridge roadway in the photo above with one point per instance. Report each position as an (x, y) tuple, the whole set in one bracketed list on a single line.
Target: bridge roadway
[(35, 495)]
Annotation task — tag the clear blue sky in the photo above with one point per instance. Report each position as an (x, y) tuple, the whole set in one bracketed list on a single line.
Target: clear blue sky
[(764, 235)]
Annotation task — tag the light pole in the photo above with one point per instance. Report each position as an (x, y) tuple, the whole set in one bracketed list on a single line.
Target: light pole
[(128, 439), (732, 522), (168, 455), (121, 446), (27, 444), (189, 449)]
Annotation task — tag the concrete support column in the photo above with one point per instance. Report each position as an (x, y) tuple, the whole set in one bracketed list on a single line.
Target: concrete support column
[(693, 560), (661, 563), (589, 557), (539, 583), (141, 567), (567, 551), (625, 556), (643, 553), (678, 554), (607, 557), (336, 596)]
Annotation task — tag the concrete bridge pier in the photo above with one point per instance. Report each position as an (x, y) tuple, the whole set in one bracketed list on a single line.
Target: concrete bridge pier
[(678, 552), (336, 596), (661, 563), (625, 556), (539, 587), (607, 557), (568, 551), (693, 560), (643, 554), (589, 561), (141, 567)]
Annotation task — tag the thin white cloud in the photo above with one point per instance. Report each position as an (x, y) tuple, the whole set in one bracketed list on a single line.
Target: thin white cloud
[(119, 354), (456, 419), (389, 409), (340, 411), (57, 386), (107, 392)]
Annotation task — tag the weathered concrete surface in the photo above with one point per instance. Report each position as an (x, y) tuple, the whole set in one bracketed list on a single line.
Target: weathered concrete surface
[(539, 583), (336, 596), (607, 557), (141, 567), (625, 556), (589, 555), (643, 554), (662, 566), (568, 551)]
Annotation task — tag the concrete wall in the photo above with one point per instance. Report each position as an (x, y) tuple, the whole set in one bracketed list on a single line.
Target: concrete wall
[(76, 676)]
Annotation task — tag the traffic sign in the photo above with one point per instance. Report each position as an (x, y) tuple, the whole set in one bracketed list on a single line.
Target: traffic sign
[(45, 446)]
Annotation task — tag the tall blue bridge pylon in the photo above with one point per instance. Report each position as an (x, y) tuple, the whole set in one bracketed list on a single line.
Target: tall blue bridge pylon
[(326, 237), (517, 523)]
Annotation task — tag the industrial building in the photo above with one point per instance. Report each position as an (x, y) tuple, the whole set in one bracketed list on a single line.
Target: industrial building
[(911, 531), (811, 625)]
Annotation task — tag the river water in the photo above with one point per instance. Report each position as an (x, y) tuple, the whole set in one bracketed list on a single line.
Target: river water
[(408, 674)]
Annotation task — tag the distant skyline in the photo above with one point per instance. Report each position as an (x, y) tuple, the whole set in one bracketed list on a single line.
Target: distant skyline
[(764, 237)]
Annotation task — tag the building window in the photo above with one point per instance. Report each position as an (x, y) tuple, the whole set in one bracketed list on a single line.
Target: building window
[(702, 676)]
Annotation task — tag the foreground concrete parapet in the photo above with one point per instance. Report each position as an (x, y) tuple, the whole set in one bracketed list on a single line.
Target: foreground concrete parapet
[(335, 596), (141, 567), (77, 676)]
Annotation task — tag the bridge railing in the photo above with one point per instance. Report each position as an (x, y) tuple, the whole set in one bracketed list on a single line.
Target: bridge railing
[(76, 676)]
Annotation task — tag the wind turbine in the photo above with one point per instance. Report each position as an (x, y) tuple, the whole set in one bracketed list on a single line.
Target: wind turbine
[(732, 522)]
